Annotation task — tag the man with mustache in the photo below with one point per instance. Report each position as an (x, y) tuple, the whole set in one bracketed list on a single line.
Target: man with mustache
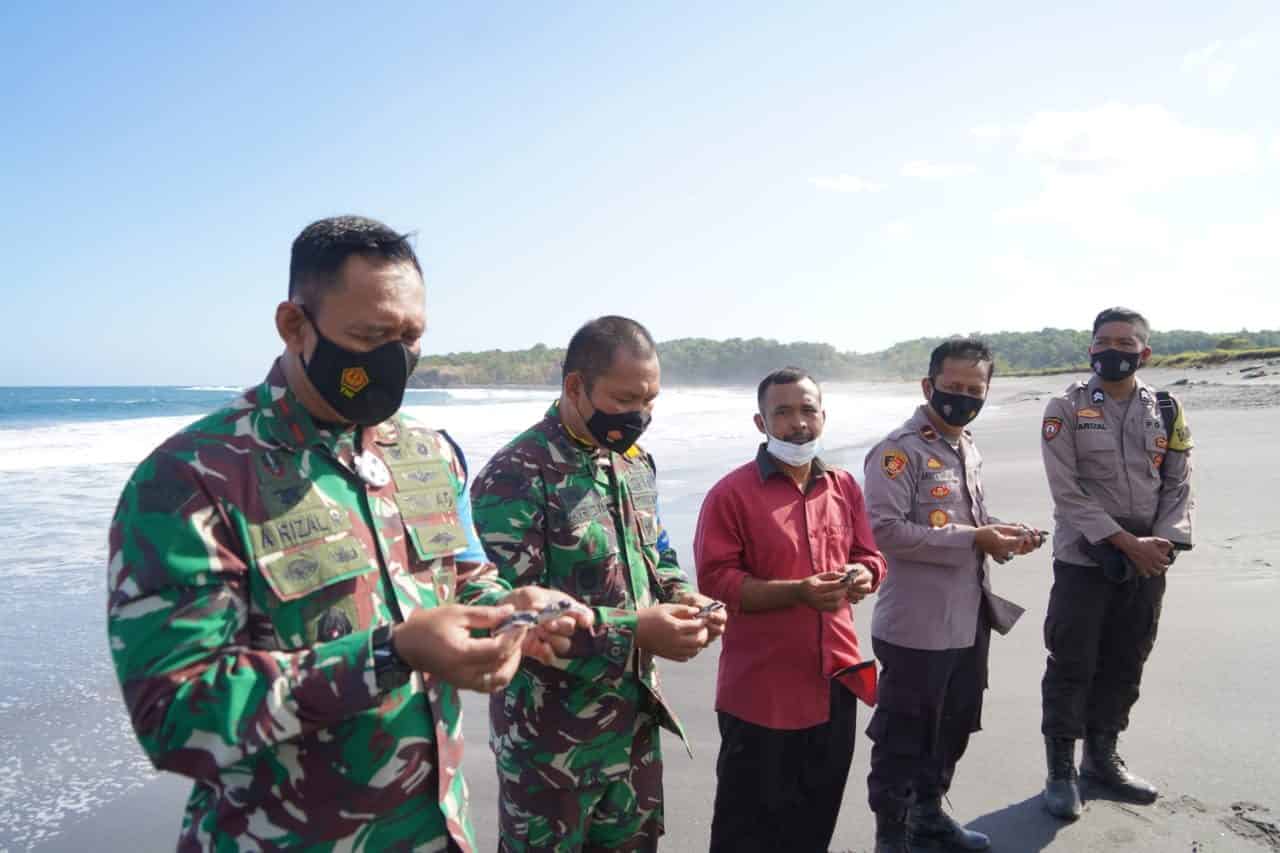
[(785, 542)]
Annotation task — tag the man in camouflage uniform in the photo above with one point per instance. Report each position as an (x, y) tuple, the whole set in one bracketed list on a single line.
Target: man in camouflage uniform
[(287, 577), (571, 504)]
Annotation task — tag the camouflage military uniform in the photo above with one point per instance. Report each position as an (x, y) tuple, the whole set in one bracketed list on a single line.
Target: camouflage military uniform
[(577, 742), (249, 565)]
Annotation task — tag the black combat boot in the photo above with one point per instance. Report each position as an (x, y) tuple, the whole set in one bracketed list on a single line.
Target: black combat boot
[(927, 822), (1061, 791), (891, 832), (1102, 765)]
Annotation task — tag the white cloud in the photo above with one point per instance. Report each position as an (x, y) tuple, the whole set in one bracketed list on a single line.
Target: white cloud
[(1097, 164), (926, 169), (988, 132), (1112, 202), (1211, 63), (1093, 209), (1227, 244), (898, 230), (1144, 146), (846, 184)]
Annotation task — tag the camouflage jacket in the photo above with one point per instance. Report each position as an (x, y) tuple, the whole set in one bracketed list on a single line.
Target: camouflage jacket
[(561, 514), (249, 564)]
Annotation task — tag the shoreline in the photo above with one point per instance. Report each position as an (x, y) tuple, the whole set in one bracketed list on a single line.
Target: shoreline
[(1203, 730)]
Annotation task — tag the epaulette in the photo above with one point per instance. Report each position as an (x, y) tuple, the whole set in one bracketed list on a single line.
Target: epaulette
[(901, 431)]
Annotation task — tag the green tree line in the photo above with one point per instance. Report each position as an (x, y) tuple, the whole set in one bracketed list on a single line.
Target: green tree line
[(742, 361)]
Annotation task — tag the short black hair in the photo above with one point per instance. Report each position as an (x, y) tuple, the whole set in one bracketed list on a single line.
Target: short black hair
[(324, 246), (783, 376), (1124, 315), (593, 347), (964, 349)]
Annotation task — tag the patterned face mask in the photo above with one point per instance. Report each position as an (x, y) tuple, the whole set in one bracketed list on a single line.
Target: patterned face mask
[(956, 409), (617, 431), (366, 388), (1112, 365)]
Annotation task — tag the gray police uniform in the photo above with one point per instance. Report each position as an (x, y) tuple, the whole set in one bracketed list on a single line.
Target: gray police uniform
[(934, 610), (1111, 465)]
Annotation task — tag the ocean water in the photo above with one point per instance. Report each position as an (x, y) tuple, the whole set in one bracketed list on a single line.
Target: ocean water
[(66, 748)]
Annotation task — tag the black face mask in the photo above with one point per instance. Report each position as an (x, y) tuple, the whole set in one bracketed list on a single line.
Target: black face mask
[(1112, 365), (366, 388), (617, 432), (956, 409)]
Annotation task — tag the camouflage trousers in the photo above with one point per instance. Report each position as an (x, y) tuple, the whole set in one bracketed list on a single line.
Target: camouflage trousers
[(417, 825), (623, 814)]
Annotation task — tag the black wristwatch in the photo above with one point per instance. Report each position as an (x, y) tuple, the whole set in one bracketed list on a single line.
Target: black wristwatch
[(389, 669)]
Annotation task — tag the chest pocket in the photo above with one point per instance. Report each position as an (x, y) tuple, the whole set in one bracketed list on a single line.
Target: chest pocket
[(940, 487), (931, 492), (427, 499), (582, 546), (1097, 451), (307, 553), (643, 486)]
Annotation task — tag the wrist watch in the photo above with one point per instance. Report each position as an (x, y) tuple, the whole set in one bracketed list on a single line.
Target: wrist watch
[(389, 669)]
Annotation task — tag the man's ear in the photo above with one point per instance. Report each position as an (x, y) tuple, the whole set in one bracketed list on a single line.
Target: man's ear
[(926, 388), (292, 326), (759, 419), (573, 386)]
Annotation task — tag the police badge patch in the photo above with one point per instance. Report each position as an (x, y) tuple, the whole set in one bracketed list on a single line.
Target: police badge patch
[(893, 463), (1052, 426)]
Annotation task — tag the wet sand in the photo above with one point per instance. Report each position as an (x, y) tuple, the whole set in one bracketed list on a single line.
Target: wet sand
[(1204, 730)]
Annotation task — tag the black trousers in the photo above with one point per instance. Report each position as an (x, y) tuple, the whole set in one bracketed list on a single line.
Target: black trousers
[(1099, 635), (781, 789), (929, 704)]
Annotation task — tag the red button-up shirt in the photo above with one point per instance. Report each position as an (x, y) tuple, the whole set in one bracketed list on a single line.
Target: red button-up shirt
[(776, 666)]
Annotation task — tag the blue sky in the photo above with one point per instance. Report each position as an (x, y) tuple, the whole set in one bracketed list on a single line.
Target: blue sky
[(842, 172)]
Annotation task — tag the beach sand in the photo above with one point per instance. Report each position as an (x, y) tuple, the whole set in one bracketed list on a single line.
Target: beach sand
[(1204, 729)]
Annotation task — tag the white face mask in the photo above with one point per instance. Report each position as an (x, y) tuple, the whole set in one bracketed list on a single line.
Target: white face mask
[(794, 455)]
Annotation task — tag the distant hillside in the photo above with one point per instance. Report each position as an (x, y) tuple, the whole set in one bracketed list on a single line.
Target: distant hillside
[(738, 361)]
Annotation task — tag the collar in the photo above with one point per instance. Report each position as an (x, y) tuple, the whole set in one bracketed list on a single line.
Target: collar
[(571, 442), (290, 424), (1096, 395), (767, 466), (922, 424)]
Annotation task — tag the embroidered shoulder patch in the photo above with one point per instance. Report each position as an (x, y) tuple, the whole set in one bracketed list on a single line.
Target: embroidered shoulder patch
[(893, 462)]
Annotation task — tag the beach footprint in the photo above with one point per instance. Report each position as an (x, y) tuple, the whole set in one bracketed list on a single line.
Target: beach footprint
[(1255, 823)]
